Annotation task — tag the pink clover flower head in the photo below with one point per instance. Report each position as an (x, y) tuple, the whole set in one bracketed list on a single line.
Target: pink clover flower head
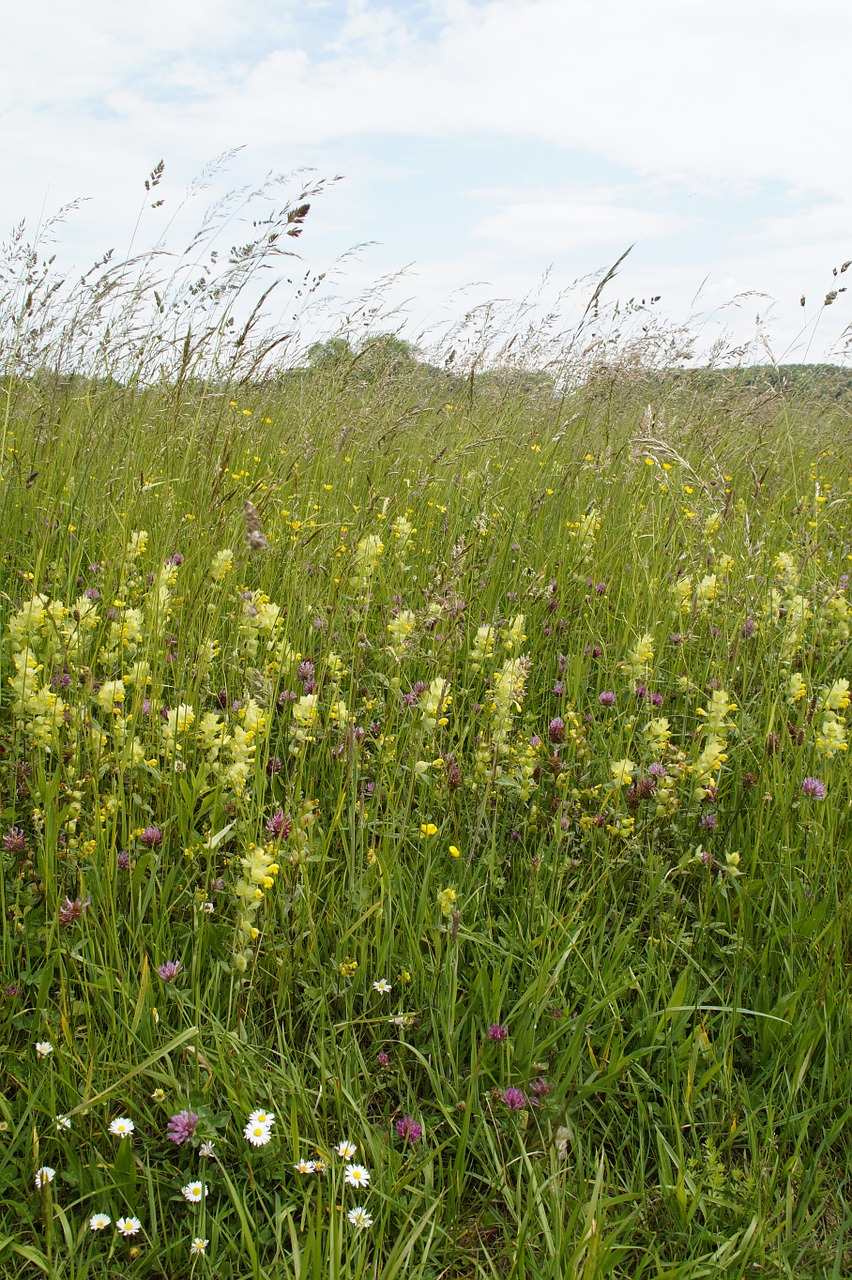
[(607, 698), (72, 911), (151, 837), (515, 1099), (497, 1031), (170, 970), (181, 1127), (539, 1087), (408, 1129), (278, 826), (814, 787)]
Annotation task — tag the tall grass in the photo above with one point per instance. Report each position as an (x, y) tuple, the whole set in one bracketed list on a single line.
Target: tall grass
[(526, 712)]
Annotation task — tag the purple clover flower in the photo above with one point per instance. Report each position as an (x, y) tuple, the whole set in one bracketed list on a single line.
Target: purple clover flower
[(814, 787), (515, 1099), (607, 698), (181, 1127), (408, 1129), (278, 826), (123, 860), (15, 841), (151, 837), (497, 1031), (382, 1059), (170, 970), (72, 911), (556, 729)]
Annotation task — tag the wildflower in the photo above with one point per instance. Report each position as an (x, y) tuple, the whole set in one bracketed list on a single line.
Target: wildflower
[(447, 902), (408, 1129), (346, 1149), (258, 1134), (44, 1048), (181, 1127), (194, 1192), (814, 787), (72, 911), (121, 1127), (151, 837), (278, 826), (622, 772), (383, 1060), (44, 1175), (382, 986), (128, 1226), (15, 841), (607, 698), (63, 1122), (454, 851), (305, 1166), (198, 1246), (837, 697), (497, 1031), (158, 1095), (206, 1150), (539, 1087), (170, 970), (515, 1099), (359, 1217), (427, 829), (123, 861), (556, 729), (99, 1221), (262, 1117), (356, 1175)]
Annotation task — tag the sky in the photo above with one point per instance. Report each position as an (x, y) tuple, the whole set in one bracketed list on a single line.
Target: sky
[(487, 149)]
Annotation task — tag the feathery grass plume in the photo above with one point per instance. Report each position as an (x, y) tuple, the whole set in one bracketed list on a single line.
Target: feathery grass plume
[(255, 537)]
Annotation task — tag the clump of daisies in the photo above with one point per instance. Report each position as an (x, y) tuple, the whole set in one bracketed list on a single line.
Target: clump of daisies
[(258, 1129)]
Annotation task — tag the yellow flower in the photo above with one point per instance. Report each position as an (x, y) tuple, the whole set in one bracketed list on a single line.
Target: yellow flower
[(427, 829), (454, 851), (447, 902)]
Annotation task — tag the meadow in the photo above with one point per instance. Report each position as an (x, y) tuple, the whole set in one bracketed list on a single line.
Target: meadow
[(425, 810)]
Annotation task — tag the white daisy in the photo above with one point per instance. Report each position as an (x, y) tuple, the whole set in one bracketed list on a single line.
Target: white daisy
[(98, 1221), (63, 1122), (194, 1192), (262, 1117), (382, 986), (346, 1149), (359, 1217), (305, 1166), (128, 1226), (121, 1127), (44, 1175), (258, 1134), (198, 1245), (44, 1048), (356, 1175)]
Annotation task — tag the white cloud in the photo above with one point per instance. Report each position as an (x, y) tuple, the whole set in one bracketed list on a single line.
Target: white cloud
[(563, 222)]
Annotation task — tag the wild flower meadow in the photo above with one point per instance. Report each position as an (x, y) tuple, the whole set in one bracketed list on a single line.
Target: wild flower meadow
[(425, 825)]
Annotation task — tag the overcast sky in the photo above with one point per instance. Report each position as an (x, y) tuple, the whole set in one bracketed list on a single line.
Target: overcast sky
[(480, 142)]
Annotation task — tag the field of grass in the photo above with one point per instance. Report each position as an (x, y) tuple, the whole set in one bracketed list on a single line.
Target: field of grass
[(439, 867)]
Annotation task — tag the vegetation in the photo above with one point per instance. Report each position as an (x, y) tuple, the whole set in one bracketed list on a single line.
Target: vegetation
[(425, 816)]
